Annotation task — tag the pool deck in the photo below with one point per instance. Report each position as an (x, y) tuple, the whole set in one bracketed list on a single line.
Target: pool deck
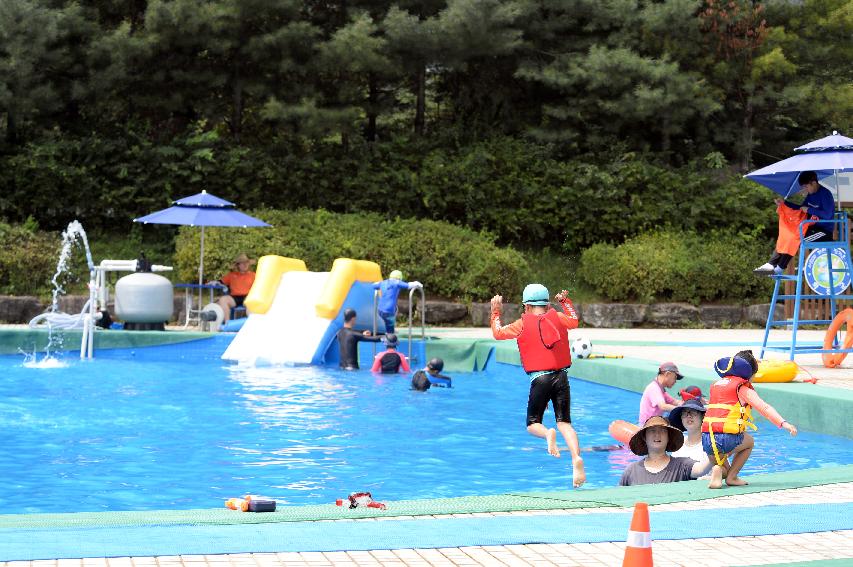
[(690, 348)]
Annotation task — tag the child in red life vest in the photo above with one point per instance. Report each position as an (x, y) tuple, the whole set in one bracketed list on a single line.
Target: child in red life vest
[(390, 361), (730, 412), (543, 343)]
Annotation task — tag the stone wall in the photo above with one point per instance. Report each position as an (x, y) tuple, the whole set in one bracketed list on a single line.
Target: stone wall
[(20, 309), (17, 309)]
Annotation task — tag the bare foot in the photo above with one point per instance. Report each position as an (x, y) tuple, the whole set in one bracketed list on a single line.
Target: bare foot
[(578, 474), (716, 477), (551, 438), (736, 481)]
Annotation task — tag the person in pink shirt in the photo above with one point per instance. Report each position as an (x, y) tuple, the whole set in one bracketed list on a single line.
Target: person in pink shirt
[(390, 361), (655, 400)]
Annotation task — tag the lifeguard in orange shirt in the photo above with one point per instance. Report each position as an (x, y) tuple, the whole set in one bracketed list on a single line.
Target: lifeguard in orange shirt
[(239, 282)]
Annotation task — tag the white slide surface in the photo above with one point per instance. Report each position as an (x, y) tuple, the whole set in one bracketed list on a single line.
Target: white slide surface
[(290, 332)]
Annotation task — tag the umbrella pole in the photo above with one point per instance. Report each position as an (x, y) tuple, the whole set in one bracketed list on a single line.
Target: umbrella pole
[(201, 273)]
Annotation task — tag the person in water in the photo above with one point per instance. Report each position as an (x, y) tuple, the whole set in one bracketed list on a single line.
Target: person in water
[(348, 339), (688, 418), (390, 361), (654, 441), (430, 376), (389, 290), (729, 413), (655, 399), (543, 343)]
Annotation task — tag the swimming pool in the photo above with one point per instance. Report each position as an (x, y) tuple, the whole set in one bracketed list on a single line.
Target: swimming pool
[(131, 434)]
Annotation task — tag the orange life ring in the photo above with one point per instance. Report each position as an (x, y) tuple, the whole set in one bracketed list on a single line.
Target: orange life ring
[(622, 431), (831, 360)]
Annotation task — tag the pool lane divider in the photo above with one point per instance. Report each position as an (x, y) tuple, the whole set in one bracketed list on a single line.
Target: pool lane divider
[(34, 544)]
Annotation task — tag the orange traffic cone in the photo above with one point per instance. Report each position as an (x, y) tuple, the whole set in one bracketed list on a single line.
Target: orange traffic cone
[(638, 552)]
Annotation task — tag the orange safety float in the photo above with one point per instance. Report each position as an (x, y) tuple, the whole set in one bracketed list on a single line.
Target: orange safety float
[(622, 431), (831, 360)]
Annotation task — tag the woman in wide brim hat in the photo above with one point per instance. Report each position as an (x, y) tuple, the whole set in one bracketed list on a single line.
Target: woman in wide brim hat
[(639, 445), (654, 441)]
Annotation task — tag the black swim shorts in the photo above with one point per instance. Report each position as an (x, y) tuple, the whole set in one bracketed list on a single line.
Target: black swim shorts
[(553, 387), (239, 299)]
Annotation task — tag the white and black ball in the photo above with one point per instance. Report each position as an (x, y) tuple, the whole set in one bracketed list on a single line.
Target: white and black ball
[(581, 347)]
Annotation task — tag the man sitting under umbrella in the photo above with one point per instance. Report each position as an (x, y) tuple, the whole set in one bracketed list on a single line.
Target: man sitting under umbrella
[(817, 205), (239, 281)]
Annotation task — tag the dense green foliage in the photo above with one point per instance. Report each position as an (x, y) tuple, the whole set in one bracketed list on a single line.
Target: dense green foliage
[(423, 109), (546, 123), (510, 187), (677, 266), (27, 260), (453, 262)]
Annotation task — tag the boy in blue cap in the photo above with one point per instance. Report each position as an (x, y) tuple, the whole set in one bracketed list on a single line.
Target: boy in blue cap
[(543, 343), (729, 413), (389, 290)]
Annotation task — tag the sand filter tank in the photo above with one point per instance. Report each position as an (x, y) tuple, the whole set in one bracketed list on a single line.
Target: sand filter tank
[(144, 301)]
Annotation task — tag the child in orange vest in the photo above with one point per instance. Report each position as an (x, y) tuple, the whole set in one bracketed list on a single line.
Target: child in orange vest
[(729, 413), (543, 343)]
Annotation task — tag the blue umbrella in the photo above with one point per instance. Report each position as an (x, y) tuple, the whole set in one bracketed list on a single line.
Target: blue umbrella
[(827, 156), (202, 210)]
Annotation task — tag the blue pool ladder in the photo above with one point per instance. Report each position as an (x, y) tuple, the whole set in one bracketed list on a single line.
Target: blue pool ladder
[(841, 223)]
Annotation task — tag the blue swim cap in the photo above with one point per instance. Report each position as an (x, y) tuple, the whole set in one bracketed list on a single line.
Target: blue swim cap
[(734, 366), (535, 294)]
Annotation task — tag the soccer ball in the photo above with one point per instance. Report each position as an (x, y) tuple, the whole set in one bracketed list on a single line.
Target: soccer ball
[(581, 347)]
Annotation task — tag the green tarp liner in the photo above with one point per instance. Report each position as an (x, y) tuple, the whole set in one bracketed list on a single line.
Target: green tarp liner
[(12, 341), (614, 497)]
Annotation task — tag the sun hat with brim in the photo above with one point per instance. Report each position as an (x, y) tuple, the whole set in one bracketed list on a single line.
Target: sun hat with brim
[(692, 404), (241, 258), (535, 294), (638, 441), (733, 366)]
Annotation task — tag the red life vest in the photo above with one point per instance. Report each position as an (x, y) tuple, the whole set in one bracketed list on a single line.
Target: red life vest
[(544, 342), (724, 411)]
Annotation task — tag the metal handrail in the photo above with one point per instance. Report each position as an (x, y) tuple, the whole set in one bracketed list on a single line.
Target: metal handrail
[(423, 317), (375, 319)]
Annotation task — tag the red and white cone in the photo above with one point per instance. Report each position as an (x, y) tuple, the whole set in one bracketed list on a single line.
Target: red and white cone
[(638, 552)]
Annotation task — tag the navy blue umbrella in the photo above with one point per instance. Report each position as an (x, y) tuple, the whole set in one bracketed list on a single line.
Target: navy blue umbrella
[(826, 157), (202, 210)]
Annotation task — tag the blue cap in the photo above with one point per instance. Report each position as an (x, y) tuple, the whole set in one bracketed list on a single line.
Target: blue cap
[(535, 294)]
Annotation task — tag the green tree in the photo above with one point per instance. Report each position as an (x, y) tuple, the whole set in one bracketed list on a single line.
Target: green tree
[(41, 66)]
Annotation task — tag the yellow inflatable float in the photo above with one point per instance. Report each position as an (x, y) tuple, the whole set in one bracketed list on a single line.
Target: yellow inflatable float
[(776, 371)]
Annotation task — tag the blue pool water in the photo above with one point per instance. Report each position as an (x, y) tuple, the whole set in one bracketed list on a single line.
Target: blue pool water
[(132, 434)]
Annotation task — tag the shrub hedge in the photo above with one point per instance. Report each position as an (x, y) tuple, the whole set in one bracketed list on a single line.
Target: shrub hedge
[(27, 259), (670, 265), (451, 261), (523, 192)]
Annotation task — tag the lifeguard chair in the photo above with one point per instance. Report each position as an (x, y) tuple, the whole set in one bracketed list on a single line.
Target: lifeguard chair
[(831, 261)]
